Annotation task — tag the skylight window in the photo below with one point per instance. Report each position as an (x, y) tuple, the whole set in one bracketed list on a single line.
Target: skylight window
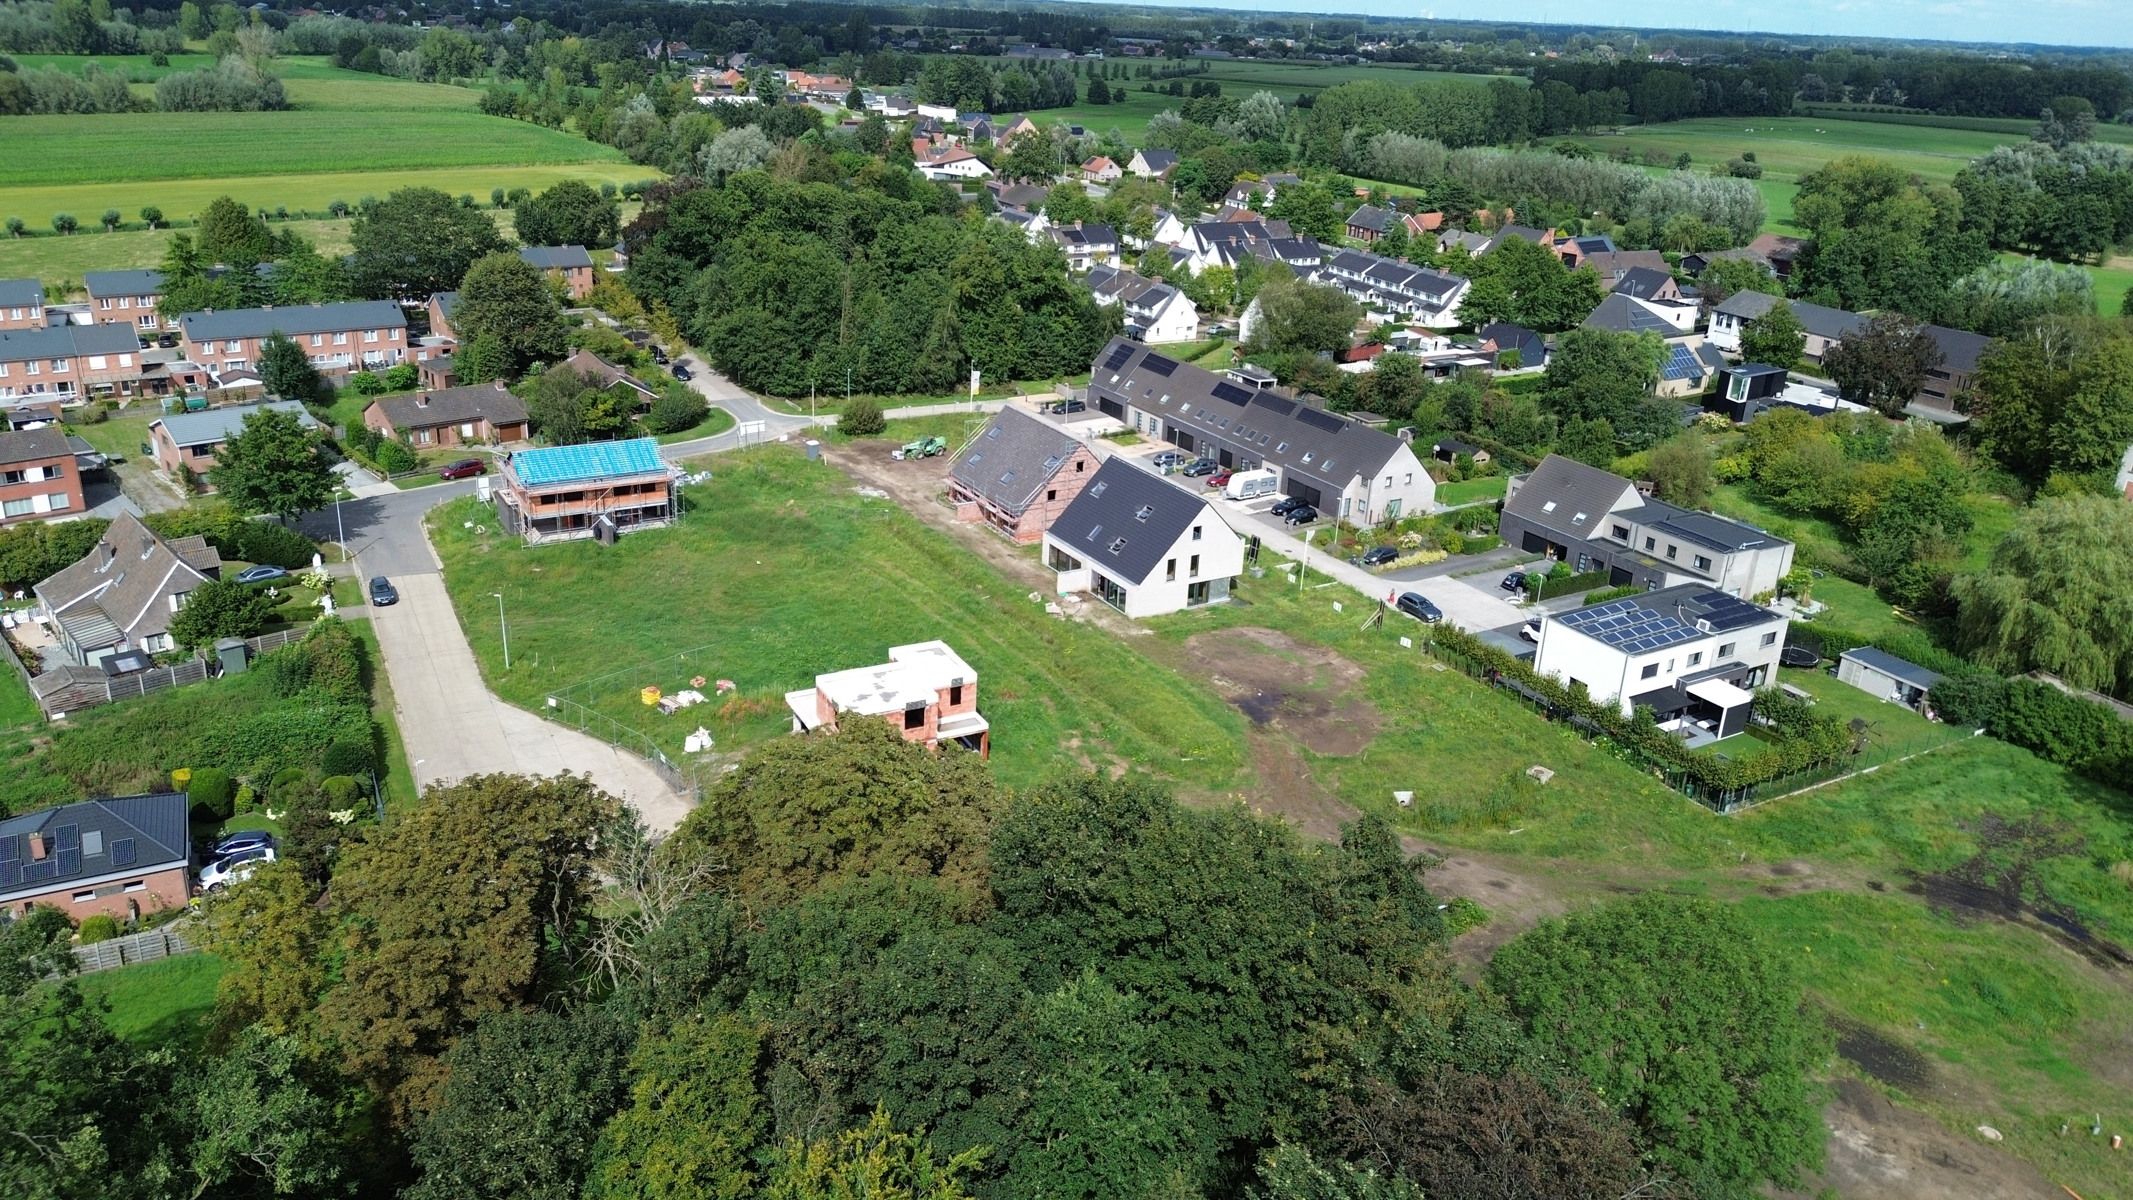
[(1548, 507), (1146, 511), (1117, 544), (1097, 489)]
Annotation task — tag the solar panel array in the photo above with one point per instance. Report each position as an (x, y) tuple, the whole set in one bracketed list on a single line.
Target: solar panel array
[(69, 861), (67, 837), (1628, 626), (10, 848), (1156, 364), (123, 853), (1681, 363), (1232, 393), (10, 874), (1119, 354), (1728, 612), (1319, 419)]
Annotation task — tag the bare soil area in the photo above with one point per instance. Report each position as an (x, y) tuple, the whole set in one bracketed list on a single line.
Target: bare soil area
[(1307, 692), (1881, 1151)]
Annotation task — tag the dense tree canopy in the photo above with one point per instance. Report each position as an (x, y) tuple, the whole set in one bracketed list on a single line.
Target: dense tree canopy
[(572, 213), (273, 465), (2052, 599), (416, 242), (1524, 283), (509, 301), (1881, 239)]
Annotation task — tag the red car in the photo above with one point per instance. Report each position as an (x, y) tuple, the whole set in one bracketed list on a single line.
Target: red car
[(1219, 479), (465, 468)]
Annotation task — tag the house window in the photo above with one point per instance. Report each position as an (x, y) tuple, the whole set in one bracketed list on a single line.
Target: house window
[(915, 717), (84, 897), (56, 502), (1650, 543), (955, 695), (1051, 493), (1650, 671), (1695, 658), (1620, 532), (16, 508), (1170, 570), (92, 843), (135, 885), (1726, 651), (1703, 562), (340, 339), (1081, 465), (1672, 550), (1770, 639), (1194, 567)]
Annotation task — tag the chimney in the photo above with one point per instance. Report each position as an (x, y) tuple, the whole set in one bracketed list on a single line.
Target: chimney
[(36, 847), (422, 399)]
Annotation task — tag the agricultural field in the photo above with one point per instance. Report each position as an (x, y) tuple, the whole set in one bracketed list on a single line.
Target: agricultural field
[(350, 135), (1878, 886)]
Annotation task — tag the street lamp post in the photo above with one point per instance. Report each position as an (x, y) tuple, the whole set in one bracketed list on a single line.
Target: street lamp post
[(340, 528), (505, 626)]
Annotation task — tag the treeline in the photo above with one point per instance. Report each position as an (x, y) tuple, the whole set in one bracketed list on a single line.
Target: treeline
[(233, 84), (2070, 202), (876, 279), (971, 86), (85, 27)]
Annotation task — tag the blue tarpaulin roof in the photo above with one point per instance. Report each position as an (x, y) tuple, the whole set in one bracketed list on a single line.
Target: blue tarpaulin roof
[(576, 464)]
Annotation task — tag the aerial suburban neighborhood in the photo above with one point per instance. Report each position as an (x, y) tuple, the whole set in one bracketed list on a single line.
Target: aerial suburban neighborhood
[(1550, 597)]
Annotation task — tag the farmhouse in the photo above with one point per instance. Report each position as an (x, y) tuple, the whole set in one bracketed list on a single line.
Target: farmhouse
[(480, 412), (21, 304), (1692, 656), (1155, 311), (70, 363), (1018, 475), (1346, 469), (1597, 521), (123, 593), (187, 442), (601, 491), (926, 692), (122, 856), (569, 265), (1142, 545), (356, 334), (38, 476), (125, 297)]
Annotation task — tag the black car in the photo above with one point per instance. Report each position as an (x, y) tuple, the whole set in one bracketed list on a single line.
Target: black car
[(1514, 582), (382, 592), (1302, 514), (1286, 505), (1201, 466), (1378, 556), (683, 373), (660, 356), (1416, 605)]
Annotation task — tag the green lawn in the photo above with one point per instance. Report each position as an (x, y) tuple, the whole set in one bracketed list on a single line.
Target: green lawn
[(399, 780), (1467, 491), (158, 1003), (715, 422), (780, 572), (17, 706)]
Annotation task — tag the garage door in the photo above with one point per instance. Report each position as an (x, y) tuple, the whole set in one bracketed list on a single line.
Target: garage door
[(1110, 407), (1533, 543), (1303, 491)]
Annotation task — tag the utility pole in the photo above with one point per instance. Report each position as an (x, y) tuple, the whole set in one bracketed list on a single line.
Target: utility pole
[(505, 626)]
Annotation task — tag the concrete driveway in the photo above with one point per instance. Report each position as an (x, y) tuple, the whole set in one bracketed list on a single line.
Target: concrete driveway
[(453, 726)]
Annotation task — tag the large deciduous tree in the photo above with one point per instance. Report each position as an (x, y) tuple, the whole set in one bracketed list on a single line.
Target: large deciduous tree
[(229, 235), (2057, 399), (1524, 283), (804, 812), (508, 300), (1881, 239), (1884, 363), (1595, 375), (1776, 338), (1297, 316), (1687, 1023), (415, 242), (273, 464), (693, 1119), (572, 213), (459, 909), (286, 371), (2057, 596)]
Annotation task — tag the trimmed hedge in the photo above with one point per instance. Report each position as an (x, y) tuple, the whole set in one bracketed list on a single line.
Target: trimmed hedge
[(2088, 738)]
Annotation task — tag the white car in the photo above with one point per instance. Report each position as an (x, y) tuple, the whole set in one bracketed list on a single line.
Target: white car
[(234, 868), (1531, 631)]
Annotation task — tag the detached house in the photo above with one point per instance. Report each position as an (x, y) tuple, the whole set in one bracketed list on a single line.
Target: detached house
[(38, 476), (1018, 475), (125, 297), (1369, 223), (1595, 520), (1344, 468), (1142, 545), (601, 491), (608, 377), (926, 692), (1085, 243), (185, 443), (1100, 170), (1731, 315), (1692, 656), (21, 304), (353, 335), (1941, 396), (480, 412), (1153, 164), (947, 162), (1156, 312), (123, 593), (124, 857), (571, 265)]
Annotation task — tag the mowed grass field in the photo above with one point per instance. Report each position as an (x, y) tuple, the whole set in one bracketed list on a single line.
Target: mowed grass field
[(350, 135)]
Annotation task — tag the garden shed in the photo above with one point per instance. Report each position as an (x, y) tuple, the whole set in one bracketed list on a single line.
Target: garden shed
[(1883, 675)]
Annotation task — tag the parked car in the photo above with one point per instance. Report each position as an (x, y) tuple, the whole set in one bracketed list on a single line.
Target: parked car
[(465, 468), (1416, 605), (1531, 631), (250, 839), (1070, 406), (1514, 582), (1202, 466), (261, 574), (233, 868), (1302, 514), (382, 592), (682, 372), (1286, 505), (1219, 479), (1170, 458), (1378, 556), (168, 341), (660, 356)]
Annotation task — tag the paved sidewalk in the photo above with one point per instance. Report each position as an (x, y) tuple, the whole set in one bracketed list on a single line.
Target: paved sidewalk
[(361, 483), (453, 726)]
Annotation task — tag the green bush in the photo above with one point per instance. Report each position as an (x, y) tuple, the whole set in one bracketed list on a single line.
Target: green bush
[(676, 409), (288, 785), (1614, 593), (347, 758), (396, 458), (98, 927), (212, 794), (862, 418), (235, 537), (340, 792)]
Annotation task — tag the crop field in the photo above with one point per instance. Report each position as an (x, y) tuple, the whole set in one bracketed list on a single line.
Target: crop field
[(350, 135)]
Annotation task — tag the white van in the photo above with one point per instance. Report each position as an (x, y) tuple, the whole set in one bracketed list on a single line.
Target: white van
[(1250, 485)]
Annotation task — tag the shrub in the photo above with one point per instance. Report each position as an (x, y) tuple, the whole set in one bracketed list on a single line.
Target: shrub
[(347, 758), (1744, 168), (98, 927), (340, 792), (396, 458), (676, 409), (247, 799), (213, 793), (862, 418), (1614, 593)]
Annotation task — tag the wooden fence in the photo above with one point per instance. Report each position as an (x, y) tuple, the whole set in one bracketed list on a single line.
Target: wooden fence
[(72, 690), (147, 946)]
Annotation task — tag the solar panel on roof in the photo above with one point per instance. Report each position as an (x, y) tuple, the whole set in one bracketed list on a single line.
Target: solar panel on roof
[(37, 872), (1681, 363), (1119, 355), (122, 853), (66, 837), (1232, 393), (10, 874), (1319, 420), (69, 862), (1156, 364), (10, 848)]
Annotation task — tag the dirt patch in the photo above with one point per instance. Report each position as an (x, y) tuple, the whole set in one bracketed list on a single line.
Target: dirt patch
[(2000, 882), (1880, 1151), (1277, 682), (1884, 1058), (1515, 899)]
